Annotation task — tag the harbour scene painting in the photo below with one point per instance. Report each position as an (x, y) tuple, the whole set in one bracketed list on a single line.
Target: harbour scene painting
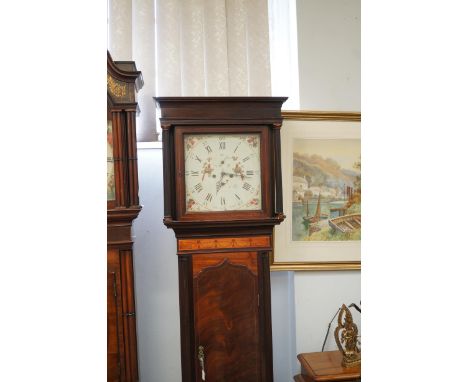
[(326, 199)]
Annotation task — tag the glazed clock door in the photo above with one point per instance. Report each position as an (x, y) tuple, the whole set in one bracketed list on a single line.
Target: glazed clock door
[(222, 175), (226, 300)]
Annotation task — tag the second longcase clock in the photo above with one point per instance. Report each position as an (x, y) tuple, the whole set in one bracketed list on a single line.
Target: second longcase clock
[(222, 197), (123, 83)]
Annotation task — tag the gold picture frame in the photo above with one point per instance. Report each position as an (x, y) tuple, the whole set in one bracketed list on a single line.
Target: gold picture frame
[(309, 255)]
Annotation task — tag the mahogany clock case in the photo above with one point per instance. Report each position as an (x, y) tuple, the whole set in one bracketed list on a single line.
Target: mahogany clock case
[(223, 256), (123, 82)]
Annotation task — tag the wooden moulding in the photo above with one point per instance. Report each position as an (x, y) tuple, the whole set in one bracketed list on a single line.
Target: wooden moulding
[(222, 228), (220, 108), (119, 234)]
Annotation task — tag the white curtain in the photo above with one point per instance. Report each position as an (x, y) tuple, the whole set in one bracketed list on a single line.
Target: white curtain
[(212, 48), (283, 52)]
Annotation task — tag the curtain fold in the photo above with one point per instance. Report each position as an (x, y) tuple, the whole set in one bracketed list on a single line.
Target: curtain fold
[(213, 48)]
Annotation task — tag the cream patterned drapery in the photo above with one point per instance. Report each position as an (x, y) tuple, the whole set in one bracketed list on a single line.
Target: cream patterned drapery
[(212, 48)]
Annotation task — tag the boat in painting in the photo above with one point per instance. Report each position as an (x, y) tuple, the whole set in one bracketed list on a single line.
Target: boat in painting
[(346, 223), (318, 214)]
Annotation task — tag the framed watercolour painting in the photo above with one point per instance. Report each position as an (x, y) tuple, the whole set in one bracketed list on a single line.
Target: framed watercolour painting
[(321, 162)]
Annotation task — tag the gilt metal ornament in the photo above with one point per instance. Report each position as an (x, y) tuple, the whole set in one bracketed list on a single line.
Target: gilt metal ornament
[(117, 88), (347, 338)]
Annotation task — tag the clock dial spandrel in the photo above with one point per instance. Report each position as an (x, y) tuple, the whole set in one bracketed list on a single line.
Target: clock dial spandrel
[(222, 172)]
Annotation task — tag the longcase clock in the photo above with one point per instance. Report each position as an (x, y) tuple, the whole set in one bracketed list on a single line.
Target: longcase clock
[(123, 82), (222, 198)]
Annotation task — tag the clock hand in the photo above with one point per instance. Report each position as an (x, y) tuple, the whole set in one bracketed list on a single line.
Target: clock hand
[(219, 184)]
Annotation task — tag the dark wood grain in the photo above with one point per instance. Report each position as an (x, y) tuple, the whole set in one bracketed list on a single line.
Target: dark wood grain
[(265, 315), (168, 171), (187, 341), (226, 320), (115, 346), (278, 174), (129, 315), (132, 160)]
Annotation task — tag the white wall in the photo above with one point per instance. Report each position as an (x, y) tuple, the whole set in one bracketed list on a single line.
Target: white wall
[(329, 45), (318, 297), (156, 278), (329, 49), (283, 325)]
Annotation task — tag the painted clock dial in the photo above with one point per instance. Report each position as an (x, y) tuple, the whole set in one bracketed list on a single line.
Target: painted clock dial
[(222, 172)]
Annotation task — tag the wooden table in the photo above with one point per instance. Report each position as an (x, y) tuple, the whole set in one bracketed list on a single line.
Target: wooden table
[(325, 367)]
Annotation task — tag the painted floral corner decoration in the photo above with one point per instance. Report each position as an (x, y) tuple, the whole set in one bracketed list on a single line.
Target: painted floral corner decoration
[(190, 142), (252, 140), (190, 204)]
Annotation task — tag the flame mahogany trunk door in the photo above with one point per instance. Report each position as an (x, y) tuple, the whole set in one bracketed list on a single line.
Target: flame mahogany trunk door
[(226, 316), (222, 198)]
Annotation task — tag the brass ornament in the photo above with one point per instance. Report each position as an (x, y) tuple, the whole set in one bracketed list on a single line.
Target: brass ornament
[(346, 334), (115, 88)]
